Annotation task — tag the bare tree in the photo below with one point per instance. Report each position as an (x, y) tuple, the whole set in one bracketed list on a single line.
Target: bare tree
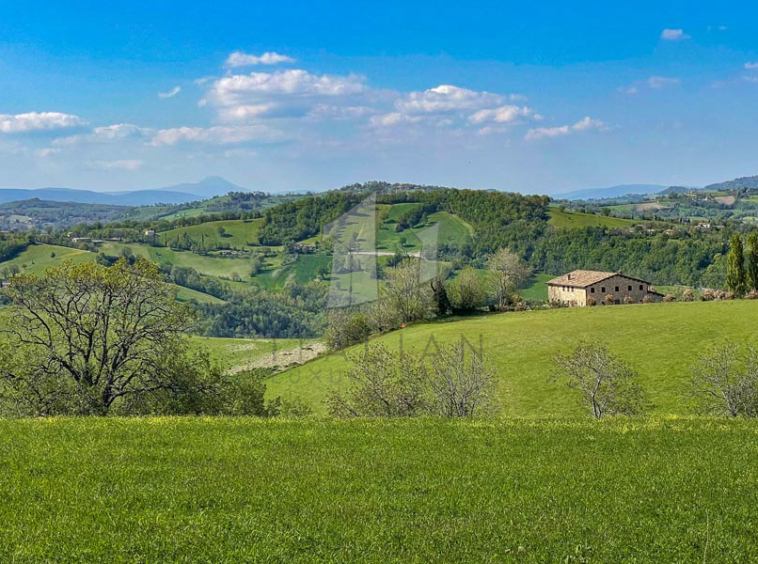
[(460, 382), (84, 336), (725, 381), (382, 384), (607, 385), (510, 273)]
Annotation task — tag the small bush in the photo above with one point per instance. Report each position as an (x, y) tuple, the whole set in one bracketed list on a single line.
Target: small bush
[(751, 295), (709, 295), (668, 298), (591, 301), (608, 299), (688, 295), (628, 300)]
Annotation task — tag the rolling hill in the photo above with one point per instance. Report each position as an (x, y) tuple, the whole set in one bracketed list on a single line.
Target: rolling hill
[(661, 341), (611, 192)]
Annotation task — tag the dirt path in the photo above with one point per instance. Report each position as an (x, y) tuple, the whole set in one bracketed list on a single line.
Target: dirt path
[(281, 359)]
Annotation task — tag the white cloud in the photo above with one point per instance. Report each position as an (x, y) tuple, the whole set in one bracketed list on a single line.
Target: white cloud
[(171, 93), (240, 59), (502, 114), (127, 164), (391, 119), (38, 121), (674, 35), (217, 135), (445, 98), (658, 82), (106, 134), (654, 83), (751, 66), (585, 124)]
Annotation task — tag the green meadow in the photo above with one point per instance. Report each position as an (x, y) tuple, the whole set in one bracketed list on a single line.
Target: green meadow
[(661, 341), (237, 233), (245, 490), (570, 219)]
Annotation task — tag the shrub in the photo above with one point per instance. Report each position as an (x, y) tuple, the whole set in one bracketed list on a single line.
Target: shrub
[(608, 299), (725, 381), (647, 299), (591, 301), (688, 295), (728, 296), (668, 298), (346, 328), (751, 295), (709, 295), (628, 300), (608, 386)]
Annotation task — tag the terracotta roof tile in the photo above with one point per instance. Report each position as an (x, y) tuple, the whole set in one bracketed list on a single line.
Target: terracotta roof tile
[(581, 278)]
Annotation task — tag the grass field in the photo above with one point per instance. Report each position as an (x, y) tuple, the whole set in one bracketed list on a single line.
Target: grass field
[(244, 490), (236, 353), (240, 234), (661, 341), (537, 289), (560, 218), (38, 258)]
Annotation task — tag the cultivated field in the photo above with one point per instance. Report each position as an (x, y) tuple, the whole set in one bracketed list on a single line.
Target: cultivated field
[(661, 341), (244, 490)]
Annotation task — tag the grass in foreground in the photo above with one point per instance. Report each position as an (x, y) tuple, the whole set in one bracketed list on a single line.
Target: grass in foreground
[(241, 490)]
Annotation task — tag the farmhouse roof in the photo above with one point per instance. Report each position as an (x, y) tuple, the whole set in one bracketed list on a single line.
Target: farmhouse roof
[(584, 278), (581, 278)]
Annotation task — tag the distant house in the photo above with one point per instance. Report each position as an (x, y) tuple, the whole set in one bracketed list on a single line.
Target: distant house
[(582, 287), (150, 233)]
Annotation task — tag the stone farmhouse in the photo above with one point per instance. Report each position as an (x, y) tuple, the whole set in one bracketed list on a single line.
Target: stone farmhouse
[(589, 287)]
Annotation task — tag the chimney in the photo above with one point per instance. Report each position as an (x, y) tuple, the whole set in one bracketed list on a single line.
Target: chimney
[(569, 276)]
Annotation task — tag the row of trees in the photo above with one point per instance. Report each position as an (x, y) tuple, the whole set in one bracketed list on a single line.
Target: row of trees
[(724, 382)]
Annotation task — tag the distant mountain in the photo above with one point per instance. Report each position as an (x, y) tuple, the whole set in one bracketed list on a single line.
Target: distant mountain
[(612, 192), (138, 198), (736, 184), (206, 188)]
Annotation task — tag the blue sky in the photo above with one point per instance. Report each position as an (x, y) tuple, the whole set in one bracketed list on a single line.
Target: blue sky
[(295, 96)]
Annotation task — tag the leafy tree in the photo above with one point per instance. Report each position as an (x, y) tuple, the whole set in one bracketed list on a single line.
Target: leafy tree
[(85, 337), (735, 266), (408, 298), (510, 273), (752, 262), (468, 291), (608, 386)]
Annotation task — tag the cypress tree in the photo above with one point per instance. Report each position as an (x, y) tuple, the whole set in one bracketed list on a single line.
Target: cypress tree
[(752, 261), (735, 266)]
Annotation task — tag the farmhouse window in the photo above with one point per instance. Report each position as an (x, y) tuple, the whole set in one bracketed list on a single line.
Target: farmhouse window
[(617, 288), (630, 288), (640, 286), (602, 289), (592, 290)]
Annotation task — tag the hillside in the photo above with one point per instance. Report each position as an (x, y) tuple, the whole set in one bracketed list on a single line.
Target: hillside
[(660, 340)]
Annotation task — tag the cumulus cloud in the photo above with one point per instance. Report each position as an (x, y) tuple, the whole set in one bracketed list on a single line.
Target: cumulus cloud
[(171, 93), (38, 121), (502, 114), (107, 134), (217, 135), (127, 164), (240, 59), (281, 94), (445, 98), (585, 124), (674, 35)]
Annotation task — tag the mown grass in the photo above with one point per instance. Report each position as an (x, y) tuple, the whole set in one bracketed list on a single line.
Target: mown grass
[(239, 233), (243, 490), (661, 341), (571, 219)]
